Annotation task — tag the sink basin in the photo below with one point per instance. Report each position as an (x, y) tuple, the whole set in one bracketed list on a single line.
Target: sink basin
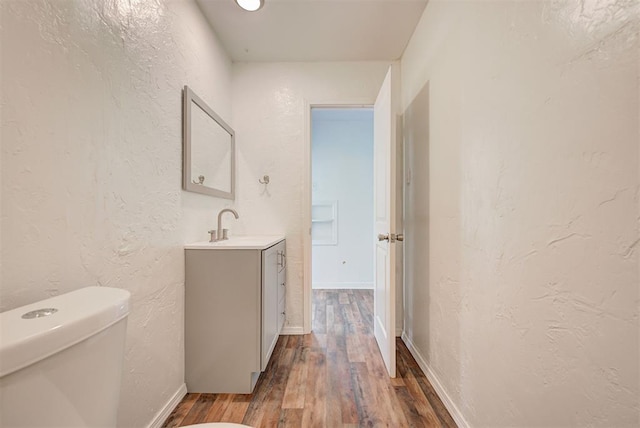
[(255, 242)]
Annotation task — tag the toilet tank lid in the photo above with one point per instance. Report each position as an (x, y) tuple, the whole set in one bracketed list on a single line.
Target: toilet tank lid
[(78, 315)]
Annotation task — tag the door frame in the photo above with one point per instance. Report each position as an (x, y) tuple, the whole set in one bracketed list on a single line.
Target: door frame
[(307, 293)]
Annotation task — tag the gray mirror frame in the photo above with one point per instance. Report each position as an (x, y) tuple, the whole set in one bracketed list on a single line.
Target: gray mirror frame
[(188, 97)]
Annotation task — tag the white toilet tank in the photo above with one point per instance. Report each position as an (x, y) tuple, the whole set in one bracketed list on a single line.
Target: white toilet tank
[(61, 360)]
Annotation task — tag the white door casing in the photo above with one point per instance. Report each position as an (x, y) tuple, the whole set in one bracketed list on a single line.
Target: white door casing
[(384, 170)]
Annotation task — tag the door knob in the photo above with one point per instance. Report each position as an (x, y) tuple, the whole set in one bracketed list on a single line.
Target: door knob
[(400, 237), (382, 237)]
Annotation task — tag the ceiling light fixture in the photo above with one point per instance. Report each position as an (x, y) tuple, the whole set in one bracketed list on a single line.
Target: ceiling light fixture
[(250, 5)]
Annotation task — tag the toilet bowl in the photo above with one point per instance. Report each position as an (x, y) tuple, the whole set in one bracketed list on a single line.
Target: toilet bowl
[(217, 425)]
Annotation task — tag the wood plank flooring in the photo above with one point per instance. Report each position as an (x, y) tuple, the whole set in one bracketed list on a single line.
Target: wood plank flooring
[(333, 377)]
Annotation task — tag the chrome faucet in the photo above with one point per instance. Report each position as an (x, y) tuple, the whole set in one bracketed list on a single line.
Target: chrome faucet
[(222, 233)]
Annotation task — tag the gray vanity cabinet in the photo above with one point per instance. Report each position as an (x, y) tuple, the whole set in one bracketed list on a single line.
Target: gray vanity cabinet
[(234, 312)]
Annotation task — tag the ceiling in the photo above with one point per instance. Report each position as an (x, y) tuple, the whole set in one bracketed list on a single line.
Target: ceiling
[(315, 30)]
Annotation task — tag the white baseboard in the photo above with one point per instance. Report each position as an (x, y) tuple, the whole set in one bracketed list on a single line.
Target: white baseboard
[(164, 413), (435, 382), (342, 285), (291, 331)]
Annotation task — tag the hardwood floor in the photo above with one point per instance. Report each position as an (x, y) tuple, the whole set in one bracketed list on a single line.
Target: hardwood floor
[(333, 377)]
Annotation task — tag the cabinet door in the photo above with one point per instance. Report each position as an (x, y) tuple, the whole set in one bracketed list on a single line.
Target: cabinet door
[(282, 284), (269, 304)]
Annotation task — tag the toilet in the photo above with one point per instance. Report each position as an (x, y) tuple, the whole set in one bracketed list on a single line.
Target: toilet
[(217, 425), (61, 360)]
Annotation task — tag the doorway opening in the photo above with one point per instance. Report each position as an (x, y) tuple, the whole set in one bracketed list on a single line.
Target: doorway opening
[(342, 226)]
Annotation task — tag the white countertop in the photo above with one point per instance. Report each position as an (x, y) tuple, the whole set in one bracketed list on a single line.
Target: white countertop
[(256, 242)]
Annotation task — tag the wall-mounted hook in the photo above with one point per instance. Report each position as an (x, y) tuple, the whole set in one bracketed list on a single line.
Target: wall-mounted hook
[(264, 180)]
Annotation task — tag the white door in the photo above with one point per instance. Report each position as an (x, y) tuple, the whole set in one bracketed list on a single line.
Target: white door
[(384, 133)]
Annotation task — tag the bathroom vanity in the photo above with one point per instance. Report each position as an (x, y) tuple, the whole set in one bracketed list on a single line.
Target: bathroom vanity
[(234, 311)]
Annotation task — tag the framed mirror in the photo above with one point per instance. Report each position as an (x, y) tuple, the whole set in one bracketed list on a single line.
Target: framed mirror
[(208, 149)]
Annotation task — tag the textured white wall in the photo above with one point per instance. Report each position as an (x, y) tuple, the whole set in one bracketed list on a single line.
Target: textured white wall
[(269, 118), (342, 171), (522, 211), (91, 166)]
